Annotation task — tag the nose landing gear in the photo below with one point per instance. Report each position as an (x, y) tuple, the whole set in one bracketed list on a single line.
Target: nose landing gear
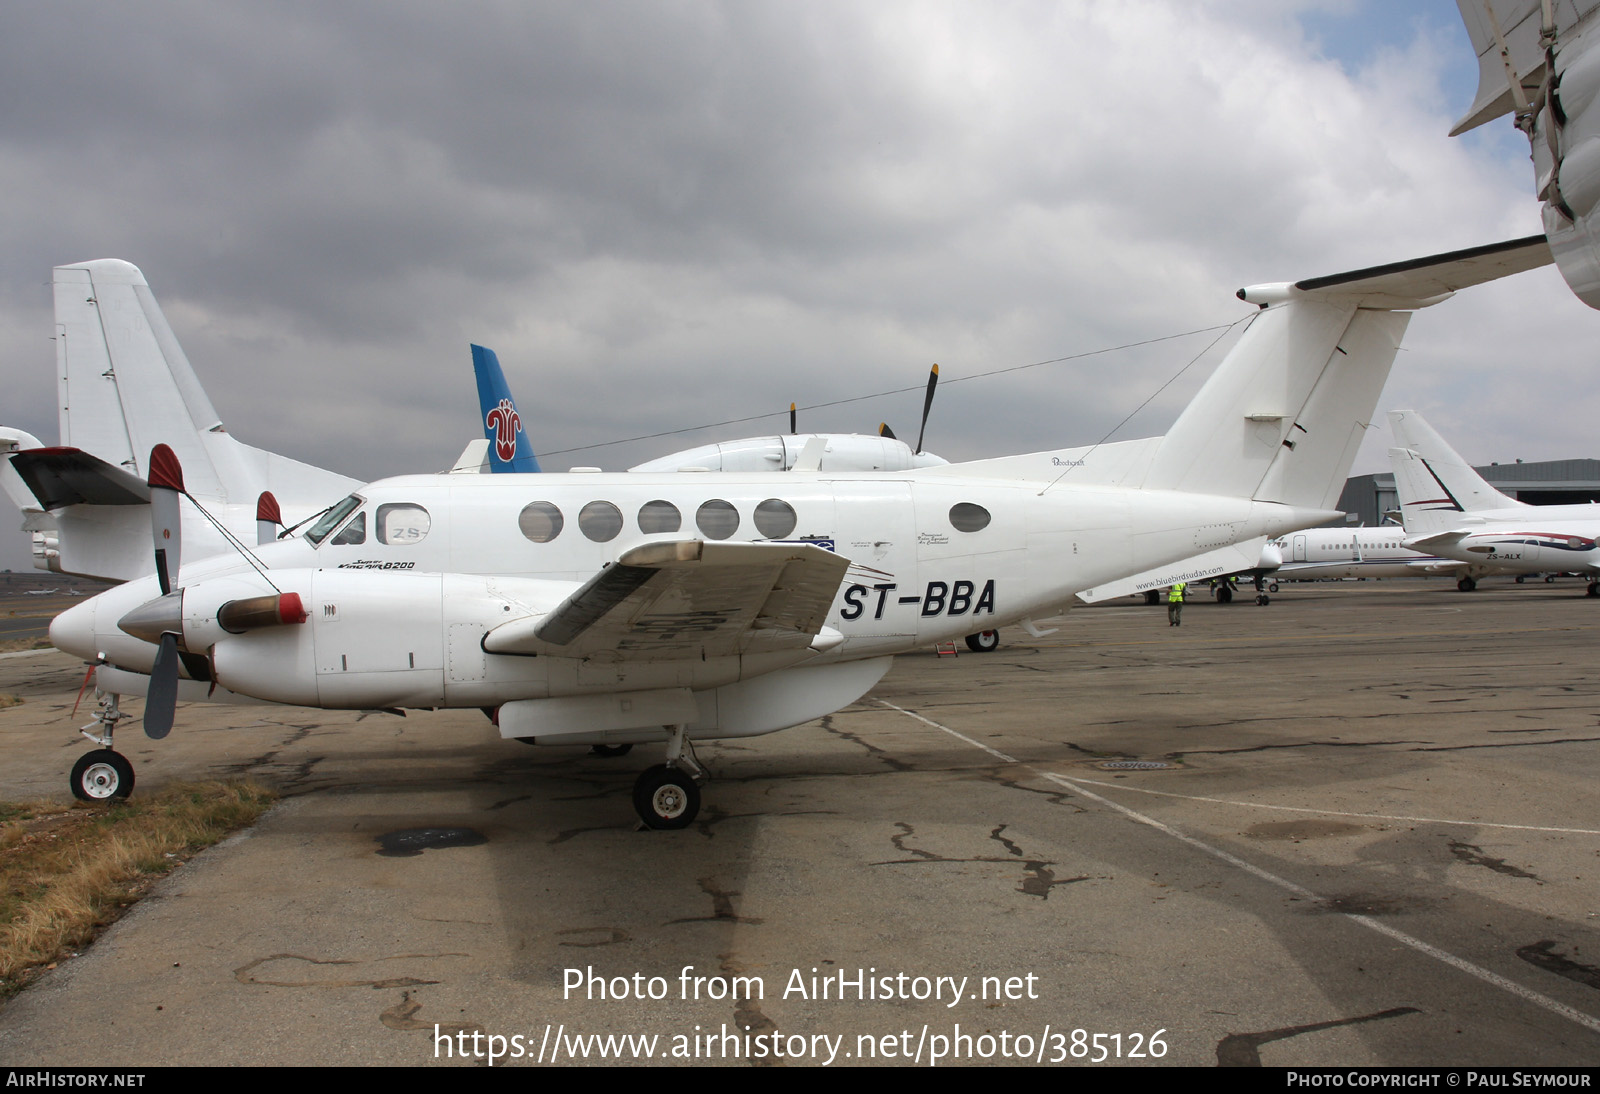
[(103, 774)]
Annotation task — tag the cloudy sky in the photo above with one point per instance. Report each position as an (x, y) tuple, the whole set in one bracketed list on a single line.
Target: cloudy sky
[(668, 215)]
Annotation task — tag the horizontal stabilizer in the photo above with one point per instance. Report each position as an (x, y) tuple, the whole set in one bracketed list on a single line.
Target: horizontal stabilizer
[(68, 476), (1422, 280), (1235, 559)]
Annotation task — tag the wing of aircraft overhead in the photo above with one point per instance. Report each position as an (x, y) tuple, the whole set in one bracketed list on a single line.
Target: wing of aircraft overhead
[(1541, 62), (690, 599)]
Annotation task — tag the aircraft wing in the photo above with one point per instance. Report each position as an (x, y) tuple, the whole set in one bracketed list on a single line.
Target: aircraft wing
[(687, 599)]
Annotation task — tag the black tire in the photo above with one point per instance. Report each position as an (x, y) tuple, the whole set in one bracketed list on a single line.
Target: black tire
[(1466, 584), (1272, 588), (1152, 596), (611, 752), (1521, 578), (983, 641), (1262, 599), (1594, 589), (1224, 594), (102, 776), (666, 798)]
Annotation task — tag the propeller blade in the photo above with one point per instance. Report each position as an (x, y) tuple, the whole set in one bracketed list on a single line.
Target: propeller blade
[(885, 431), (269, 518), (927, 405), (166, 483), (161, 701), (792, 422)]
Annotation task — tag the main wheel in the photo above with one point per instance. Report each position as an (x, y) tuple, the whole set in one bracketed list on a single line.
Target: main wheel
[(1272, 588), (983, 641), (665, 797), (611, 752), (1224, 594), (1151, 596), (1262, 599), (1466, 584), (1594, 589), (102, 775)]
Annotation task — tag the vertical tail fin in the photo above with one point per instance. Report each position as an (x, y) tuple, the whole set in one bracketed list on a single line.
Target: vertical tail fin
[(1439, 479), (123, 382), (509, 449), (1281, 418)]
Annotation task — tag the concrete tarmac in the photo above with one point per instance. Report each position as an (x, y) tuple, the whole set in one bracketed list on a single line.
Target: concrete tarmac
[(1374, 841)]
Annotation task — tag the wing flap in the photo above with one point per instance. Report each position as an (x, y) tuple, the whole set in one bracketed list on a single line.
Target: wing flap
[(687, 599)]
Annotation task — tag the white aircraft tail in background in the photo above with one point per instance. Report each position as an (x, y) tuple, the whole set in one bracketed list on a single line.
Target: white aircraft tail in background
[(124, 386), (1450, 510)]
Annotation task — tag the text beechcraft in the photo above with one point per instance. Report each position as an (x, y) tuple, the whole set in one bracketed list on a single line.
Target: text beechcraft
[(614, 609)]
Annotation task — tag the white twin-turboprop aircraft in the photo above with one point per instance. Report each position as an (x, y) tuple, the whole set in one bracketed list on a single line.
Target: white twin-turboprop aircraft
[(667, 607)]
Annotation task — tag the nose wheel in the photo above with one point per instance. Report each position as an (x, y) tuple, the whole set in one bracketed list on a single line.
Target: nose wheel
[(102, 775)]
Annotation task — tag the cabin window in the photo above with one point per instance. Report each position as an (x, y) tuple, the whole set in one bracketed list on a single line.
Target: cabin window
[(402, 522), (967, 517), (717, 519), (332, 518), (352, 533), (775, 519), (659, 516), (540, 521), (600, 521)]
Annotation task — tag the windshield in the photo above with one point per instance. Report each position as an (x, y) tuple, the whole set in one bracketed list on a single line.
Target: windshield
[(332, 518)]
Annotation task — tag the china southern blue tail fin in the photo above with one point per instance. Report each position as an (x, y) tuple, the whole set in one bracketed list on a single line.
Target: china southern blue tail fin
[(509, 449)]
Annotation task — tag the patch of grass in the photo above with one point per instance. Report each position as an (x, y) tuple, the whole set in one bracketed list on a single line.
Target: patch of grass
[(69, 871), (9, 700), (17, 645)]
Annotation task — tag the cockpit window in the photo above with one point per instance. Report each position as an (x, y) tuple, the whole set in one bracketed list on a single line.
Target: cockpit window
[(353, 533), (333, 518), (402, 522)]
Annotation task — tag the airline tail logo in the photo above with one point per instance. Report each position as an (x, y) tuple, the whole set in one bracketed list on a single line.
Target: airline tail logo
[(506, 424)]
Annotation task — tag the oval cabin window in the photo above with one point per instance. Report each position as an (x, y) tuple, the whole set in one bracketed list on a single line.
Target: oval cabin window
[(967, 517), (775, 519), (659, 516), (600, 521), (540, 521), (717, 519)]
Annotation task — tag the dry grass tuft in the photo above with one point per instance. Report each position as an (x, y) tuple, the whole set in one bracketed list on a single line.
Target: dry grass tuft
[(68, 871)]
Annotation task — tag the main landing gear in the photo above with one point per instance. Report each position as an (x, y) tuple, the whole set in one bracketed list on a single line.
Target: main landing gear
[(1466, 584), (103, 774), (668, 795), (983, 641)]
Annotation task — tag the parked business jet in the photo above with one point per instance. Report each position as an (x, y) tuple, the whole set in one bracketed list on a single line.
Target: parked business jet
[(1449, 509), (1539, 60), (123, 386), (582, 609)]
